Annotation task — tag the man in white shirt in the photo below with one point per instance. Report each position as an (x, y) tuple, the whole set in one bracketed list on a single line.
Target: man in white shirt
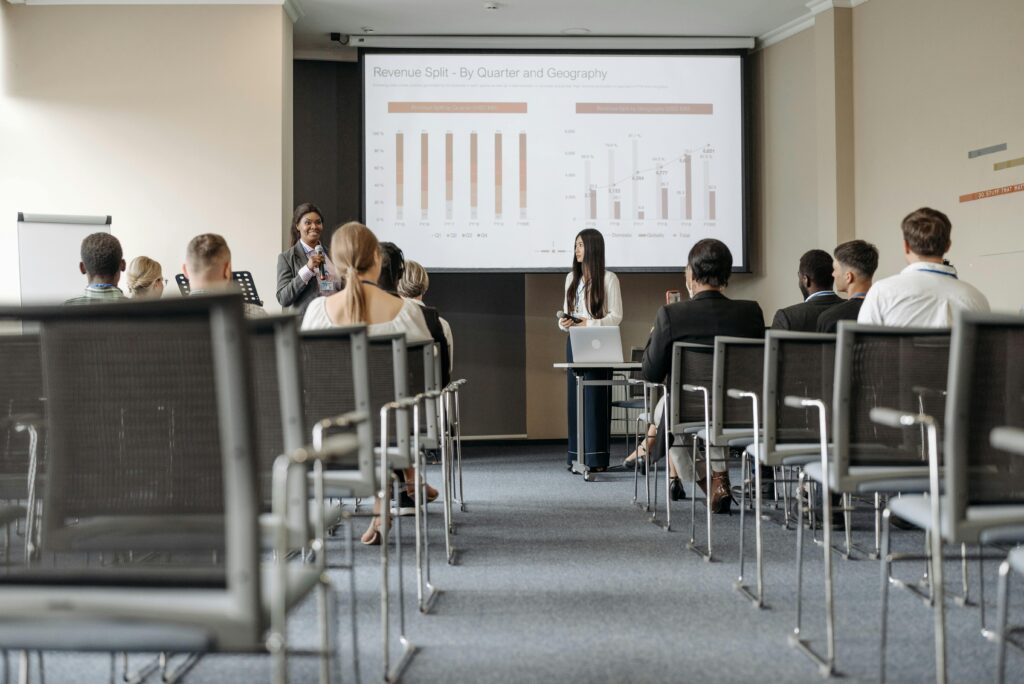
[(927, 292), (208, 269)]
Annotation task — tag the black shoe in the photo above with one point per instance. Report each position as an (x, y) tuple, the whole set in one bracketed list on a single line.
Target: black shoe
[(675, 489), (406, 505)]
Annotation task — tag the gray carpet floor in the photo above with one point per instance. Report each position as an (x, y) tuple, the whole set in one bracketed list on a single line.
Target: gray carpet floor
[(559, 580)]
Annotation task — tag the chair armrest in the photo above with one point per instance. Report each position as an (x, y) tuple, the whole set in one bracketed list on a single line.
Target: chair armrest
[(894, 418), (345, 420), (923, 391), (799, 402), (1008, 439)]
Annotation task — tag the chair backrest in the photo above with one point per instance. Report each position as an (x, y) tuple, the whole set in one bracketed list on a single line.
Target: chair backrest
[(389, 369), (738, 364), (21, 395), (336, 380), (986, 390), (692, 364), (278, 410), (150, 438), (899, 368), (795, 364), (424, 363), (635, 391)]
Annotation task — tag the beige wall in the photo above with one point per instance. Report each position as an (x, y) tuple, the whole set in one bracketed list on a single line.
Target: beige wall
[(173, 120), (932, 80)]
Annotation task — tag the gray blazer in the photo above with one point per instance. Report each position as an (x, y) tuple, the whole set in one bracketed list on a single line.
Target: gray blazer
[(291, 291)]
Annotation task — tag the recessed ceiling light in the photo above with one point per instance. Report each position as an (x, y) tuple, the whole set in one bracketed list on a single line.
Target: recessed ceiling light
[(575, 31), (491, 6), (366, 29)]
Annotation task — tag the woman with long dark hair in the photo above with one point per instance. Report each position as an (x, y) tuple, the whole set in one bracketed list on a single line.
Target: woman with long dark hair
[(592, 297), (303, 271)]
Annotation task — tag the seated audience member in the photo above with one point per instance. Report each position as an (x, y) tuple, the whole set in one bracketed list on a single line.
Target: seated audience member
[(392, 270), (413, 285), (357, 254), (208, 269), (392, 267), (852, 269), (815, 281), (102, 263), (706, 314), (145, 278), (927, 291)]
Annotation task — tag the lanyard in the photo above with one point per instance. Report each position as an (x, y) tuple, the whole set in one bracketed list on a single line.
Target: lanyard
[(942, 273)]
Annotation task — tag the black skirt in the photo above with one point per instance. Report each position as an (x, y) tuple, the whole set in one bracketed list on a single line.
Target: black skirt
[(597, 422)]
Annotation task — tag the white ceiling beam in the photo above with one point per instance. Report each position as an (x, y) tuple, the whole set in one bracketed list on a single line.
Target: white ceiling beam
[(554, 42)]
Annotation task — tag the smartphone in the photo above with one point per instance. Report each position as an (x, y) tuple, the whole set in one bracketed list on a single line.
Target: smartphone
[(561, 314)]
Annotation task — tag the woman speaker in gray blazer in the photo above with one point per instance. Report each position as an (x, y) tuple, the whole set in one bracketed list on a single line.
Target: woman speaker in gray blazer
[(303, 270)]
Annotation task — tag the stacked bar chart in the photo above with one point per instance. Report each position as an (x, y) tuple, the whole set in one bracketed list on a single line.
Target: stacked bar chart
[(457, 172)]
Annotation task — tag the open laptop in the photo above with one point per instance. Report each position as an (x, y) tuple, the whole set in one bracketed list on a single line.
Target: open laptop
[(599, 344)]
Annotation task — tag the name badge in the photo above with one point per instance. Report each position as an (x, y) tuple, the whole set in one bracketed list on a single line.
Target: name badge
[(327, 287)]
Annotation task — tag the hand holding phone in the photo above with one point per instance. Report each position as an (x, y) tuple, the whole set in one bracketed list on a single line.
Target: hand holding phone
[(562, 315)]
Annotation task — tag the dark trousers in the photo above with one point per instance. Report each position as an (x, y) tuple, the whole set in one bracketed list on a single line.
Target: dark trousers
[(597, 417)]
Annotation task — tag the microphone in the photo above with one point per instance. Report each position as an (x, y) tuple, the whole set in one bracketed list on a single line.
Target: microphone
[(323, 269)]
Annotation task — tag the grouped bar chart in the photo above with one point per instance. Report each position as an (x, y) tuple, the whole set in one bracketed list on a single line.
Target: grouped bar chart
[(660, 188)]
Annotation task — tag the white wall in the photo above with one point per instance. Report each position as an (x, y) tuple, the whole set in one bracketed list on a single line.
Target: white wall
[(174, 120)]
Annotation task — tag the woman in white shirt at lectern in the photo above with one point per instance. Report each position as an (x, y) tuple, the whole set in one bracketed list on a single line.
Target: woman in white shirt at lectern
[(592, 297)]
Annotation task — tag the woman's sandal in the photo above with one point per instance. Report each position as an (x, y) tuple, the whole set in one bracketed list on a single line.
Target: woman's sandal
[(372, 535), (640, 454)]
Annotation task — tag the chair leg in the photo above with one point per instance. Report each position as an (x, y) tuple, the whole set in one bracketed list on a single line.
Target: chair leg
[(939, 591), (886, 568), (1001, 611), (799, 559), (353, 615), (743, 509)]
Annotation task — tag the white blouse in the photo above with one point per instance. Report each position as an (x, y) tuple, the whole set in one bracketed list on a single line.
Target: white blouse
[(612, 301), (409, 321)]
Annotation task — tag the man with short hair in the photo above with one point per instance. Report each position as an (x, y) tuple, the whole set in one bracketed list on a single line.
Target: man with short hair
[(707, 313), (814, 278), (928, 291), (102, 262), (208, 268), (853, 267)]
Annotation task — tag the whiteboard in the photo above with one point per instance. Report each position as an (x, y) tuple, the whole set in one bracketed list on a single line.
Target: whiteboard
[(49, 251)]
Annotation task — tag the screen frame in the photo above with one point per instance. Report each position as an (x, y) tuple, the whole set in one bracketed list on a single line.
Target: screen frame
[(745, 121)]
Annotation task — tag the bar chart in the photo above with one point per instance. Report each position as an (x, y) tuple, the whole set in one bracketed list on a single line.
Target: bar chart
[(463, 163), (654, 187)]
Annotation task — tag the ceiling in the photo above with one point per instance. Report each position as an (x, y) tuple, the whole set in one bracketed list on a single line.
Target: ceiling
[(749, 18)]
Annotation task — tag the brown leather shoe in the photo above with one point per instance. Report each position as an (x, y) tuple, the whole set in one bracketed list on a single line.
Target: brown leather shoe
[(721, 492)]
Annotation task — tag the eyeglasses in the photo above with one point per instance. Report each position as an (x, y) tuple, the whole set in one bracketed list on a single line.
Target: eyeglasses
[(164, 280)]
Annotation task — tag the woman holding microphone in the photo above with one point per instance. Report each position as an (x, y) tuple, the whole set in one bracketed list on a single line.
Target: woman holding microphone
[(303, 270), (592, 297)]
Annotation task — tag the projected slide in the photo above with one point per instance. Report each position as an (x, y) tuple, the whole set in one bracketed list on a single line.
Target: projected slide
[(497, 161)]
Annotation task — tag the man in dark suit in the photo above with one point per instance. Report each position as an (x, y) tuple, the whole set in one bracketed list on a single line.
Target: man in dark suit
[(853, 267), (815, 281), (699, 319)]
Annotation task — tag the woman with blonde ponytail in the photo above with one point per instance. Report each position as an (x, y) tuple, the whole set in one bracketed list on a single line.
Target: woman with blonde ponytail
[(356, 253)]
